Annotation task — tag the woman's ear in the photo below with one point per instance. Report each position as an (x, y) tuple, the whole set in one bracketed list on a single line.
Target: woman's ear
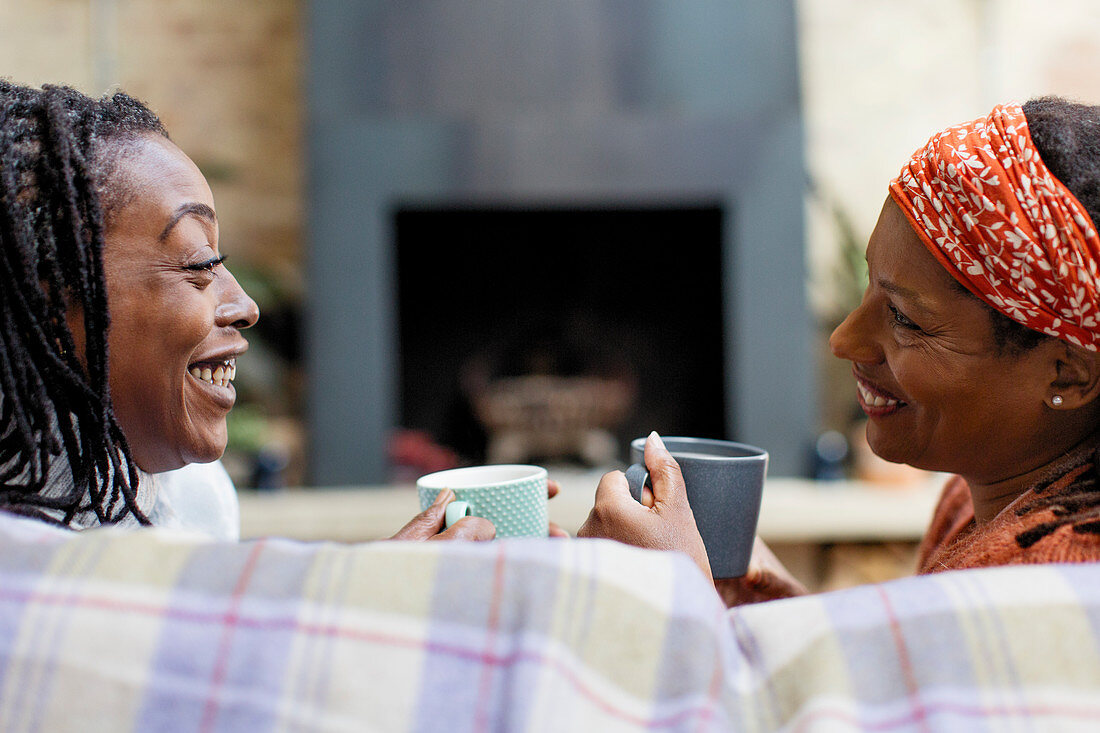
[(1077, 377)]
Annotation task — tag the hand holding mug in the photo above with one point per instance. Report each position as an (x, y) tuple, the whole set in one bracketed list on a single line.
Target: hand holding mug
[(511, 497), (433, 524), (766, 580), (427, 524), (724, 482), (666, 524)]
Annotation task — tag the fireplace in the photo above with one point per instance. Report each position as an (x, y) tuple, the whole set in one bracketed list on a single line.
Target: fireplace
[(604, 320), (630, 109)]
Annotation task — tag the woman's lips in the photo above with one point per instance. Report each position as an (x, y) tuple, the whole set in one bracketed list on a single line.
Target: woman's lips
[(215, 379), (876, 402), (219, 373)]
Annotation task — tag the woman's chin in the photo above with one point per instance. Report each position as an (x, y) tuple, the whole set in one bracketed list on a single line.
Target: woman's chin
[(196, 449), (208, 451), (887, 448)]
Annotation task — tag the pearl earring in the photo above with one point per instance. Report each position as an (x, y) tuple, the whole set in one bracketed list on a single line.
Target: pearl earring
[(1056, 400)]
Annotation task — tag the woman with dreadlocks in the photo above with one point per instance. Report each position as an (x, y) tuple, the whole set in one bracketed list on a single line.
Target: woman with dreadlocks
[(120, 327), (974, 351)]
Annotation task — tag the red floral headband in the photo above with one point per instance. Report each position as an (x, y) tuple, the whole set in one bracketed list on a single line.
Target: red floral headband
[(983, 202)]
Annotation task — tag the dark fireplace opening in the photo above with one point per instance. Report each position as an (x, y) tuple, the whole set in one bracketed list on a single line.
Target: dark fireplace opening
[(557, 334)]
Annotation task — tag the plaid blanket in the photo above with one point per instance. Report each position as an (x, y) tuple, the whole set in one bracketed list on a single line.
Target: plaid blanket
[(147, 630)]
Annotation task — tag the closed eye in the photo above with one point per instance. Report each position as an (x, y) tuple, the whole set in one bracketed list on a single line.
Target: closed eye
[(208, 265)]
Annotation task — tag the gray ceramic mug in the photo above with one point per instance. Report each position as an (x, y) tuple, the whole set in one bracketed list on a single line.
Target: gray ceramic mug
[(724, 482)]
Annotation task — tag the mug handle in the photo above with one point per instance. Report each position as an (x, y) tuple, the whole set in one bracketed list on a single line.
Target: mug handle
[(637, 476), (456, 510)]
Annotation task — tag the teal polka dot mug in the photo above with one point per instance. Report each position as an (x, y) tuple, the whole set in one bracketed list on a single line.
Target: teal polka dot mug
[(512, 497)]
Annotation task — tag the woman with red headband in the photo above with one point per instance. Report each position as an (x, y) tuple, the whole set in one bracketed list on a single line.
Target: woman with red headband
[(974, 350)]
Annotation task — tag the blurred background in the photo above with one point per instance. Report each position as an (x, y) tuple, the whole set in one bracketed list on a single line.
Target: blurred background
[(492, 231)]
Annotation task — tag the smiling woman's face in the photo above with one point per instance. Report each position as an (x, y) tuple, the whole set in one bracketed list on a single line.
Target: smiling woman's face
[(937, 390), (176, 312)]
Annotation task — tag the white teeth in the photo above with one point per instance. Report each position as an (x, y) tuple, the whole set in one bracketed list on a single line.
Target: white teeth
[(874, 400), (220, 376)]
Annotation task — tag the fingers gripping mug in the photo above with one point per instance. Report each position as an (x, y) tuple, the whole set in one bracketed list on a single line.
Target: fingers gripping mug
[(724, 482), (512, 497)]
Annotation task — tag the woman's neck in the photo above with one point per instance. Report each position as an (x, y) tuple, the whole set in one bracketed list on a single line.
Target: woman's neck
[(990, 498)]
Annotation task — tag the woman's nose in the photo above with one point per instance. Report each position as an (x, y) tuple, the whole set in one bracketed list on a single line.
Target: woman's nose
[(236, 308), (854, 339)]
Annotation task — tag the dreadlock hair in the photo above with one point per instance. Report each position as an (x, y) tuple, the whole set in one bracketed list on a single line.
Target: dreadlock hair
[(59, 152), (1067, 136)]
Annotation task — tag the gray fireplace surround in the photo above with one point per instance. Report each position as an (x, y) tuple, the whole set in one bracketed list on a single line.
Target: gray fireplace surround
[(595, 101)]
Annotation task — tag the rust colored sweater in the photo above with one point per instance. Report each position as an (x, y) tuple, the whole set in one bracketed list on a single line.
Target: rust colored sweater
[(1069, 499)]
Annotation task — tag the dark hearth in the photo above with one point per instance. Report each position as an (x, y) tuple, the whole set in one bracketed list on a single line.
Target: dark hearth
[(549, 333)]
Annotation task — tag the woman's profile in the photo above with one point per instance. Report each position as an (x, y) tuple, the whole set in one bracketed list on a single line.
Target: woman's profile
[(120, 325), (974, 351)]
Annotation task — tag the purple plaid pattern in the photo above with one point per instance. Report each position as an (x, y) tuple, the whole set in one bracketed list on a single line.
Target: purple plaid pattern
[(149, 630)]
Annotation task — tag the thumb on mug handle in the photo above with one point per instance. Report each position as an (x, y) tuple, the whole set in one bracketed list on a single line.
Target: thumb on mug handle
[(637, 478), (456, 510)]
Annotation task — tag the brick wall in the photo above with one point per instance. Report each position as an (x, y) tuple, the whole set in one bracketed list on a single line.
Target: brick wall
[(224, 76)]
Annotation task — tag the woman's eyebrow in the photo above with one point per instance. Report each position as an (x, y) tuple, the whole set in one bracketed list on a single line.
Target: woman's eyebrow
[(894, 289), (196, 209)]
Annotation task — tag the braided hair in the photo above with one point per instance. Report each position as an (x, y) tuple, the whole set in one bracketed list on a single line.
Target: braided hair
[(59, 181)]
